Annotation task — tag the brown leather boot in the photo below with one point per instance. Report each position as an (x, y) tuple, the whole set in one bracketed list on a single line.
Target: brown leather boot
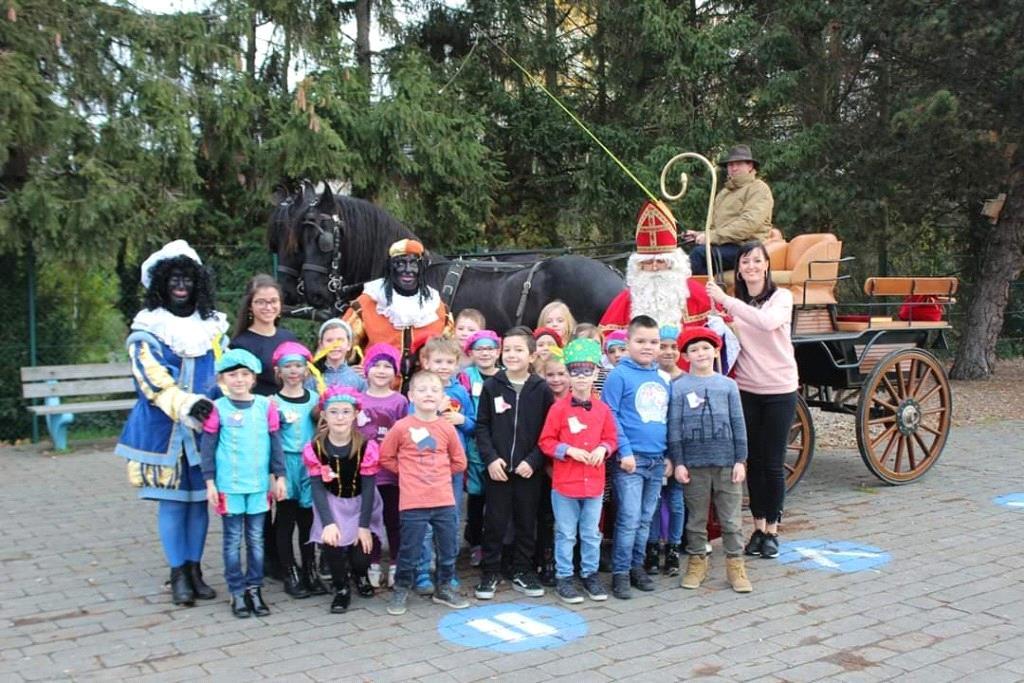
[(696, 571), (736, 574)]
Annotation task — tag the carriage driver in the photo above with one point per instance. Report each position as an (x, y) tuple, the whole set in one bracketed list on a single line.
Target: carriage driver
[(400, 309), (743, 212)]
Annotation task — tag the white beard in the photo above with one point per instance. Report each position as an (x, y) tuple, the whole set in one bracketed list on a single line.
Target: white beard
[(662, 294)]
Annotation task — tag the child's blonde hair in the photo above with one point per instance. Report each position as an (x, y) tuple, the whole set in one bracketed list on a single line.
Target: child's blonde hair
[(472, 314), (443, 345), (424, 376), (570, 321)]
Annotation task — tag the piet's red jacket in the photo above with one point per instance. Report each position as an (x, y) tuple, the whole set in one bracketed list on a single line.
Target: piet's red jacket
[(567, 425)]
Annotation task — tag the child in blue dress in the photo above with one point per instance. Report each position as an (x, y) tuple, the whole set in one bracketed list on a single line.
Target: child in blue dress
[(241, 448), (295, 404)]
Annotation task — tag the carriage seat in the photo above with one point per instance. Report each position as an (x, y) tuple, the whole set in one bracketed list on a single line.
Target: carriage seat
[(812, 256)]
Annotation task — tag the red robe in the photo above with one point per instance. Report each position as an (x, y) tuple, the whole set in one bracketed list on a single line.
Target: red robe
[(698, 304)]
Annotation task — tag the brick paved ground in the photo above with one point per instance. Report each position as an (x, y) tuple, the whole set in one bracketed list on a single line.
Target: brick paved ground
[(81, 596)]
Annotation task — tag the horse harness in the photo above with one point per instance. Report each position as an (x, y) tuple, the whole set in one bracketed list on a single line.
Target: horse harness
[(453, 277)]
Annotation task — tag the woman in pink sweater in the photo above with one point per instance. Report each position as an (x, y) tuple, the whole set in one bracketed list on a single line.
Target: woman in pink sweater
[(767, 377)]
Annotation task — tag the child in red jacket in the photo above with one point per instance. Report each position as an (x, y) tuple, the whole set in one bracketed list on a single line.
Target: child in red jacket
[(579, 434)]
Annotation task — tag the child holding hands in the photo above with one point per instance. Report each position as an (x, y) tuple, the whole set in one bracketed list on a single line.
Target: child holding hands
[(579, 434), (241, 448), (707, 440)]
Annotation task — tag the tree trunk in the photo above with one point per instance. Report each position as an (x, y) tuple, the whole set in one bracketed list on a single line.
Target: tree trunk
[(550, 41), (363, 41), (1003, 258)]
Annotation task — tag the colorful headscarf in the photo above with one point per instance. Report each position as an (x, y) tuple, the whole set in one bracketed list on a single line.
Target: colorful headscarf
[(483, 338), (340, 394)]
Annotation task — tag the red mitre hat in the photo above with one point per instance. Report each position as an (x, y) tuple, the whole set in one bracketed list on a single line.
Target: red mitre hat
[(655, 229)]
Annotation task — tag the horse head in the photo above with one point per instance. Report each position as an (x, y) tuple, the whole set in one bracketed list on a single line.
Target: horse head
[(320, 243), (283, 238)]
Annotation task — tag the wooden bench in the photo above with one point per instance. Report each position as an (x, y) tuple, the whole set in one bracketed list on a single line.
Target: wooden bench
[(54, 382)]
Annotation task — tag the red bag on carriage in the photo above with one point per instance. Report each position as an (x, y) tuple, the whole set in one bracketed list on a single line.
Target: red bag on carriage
[(921, 307)]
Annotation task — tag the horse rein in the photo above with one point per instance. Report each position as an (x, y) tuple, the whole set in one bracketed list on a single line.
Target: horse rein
[(326, 244)]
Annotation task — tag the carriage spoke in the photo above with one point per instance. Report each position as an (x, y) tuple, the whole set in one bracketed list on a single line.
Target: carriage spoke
[(789, 468), (899, 453), (927, 396), (877, 440), (885, 404), (893, 439), (882, 420), (930, 430), (911, 371), (920, 442), (892, 390), (910, 454), (934, 411)]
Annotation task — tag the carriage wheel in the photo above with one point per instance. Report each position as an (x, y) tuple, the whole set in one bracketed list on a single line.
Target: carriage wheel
[(800, 447), (903, 415)]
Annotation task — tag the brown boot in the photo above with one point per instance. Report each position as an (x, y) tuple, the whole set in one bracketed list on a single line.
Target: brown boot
[(696, 571), (736, 574)]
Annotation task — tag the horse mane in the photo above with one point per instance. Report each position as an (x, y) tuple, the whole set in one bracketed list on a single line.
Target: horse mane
[(367, 233)]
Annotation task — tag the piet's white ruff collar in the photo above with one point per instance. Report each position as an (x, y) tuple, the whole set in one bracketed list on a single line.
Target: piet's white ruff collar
[(404, 311), (189, 337)]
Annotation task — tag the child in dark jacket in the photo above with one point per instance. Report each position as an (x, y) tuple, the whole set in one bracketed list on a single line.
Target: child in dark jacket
[(513, 406)]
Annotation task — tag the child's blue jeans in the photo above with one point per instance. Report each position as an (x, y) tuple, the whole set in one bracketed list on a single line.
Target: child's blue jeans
[(427, 556), (637, 496), (415, 522), (252, 527), (572, 514)]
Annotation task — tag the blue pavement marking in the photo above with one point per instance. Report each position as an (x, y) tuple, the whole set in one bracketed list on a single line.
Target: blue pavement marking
[(1011, 500), (832, 556), (513, 627)]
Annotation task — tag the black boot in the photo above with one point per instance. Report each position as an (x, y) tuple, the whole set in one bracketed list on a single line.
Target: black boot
[(293, 585), (672, 559), (311, 581), (363, 586), (651, 559), (254, 600), (199, 587), (342, 597), (239, 606), (181, 588)]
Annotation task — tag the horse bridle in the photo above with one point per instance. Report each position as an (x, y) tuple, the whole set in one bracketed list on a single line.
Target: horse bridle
[(326, 243)]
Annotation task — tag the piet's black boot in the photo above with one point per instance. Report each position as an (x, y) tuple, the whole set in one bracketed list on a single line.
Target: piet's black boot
[(195, 578), (181, 588)]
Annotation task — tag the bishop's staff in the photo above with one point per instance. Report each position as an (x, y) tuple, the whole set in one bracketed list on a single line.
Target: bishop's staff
[(684, 180)]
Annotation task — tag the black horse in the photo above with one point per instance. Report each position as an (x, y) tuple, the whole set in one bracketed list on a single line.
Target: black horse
[(338, 243)]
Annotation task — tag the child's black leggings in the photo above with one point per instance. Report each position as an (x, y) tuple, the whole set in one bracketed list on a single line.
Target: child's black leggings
[(290, 515), (474, 533), (346, 559)]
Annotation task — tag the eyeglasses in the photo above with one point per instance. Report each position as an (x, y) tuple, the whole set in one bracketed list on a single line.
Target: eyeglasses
[(266, 303), (581, 370)]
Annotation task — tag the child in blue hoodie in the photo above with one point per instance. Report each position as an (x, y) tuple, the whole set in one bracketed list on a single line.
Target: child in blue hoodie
[(637, 392), (441, 355)]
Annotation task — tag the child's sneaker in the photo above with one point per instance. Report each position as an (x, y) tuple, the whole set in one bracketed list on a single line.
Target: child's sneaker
[(639, 579), (486, 588), (392, 571), (736, 574), (448, 597), (770, 546), (671, 559), (620, 586), (399, 597), (527, 585), (424, 586), (593, 587), (566, 591), (374, 574), (476, 556), (651, 559)]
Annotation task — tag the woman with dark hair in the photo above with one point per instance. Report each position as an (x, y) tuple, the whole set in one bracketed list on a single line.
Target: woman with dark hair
[(766, 373), (257, 332), (172, 359), (256, 328)]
